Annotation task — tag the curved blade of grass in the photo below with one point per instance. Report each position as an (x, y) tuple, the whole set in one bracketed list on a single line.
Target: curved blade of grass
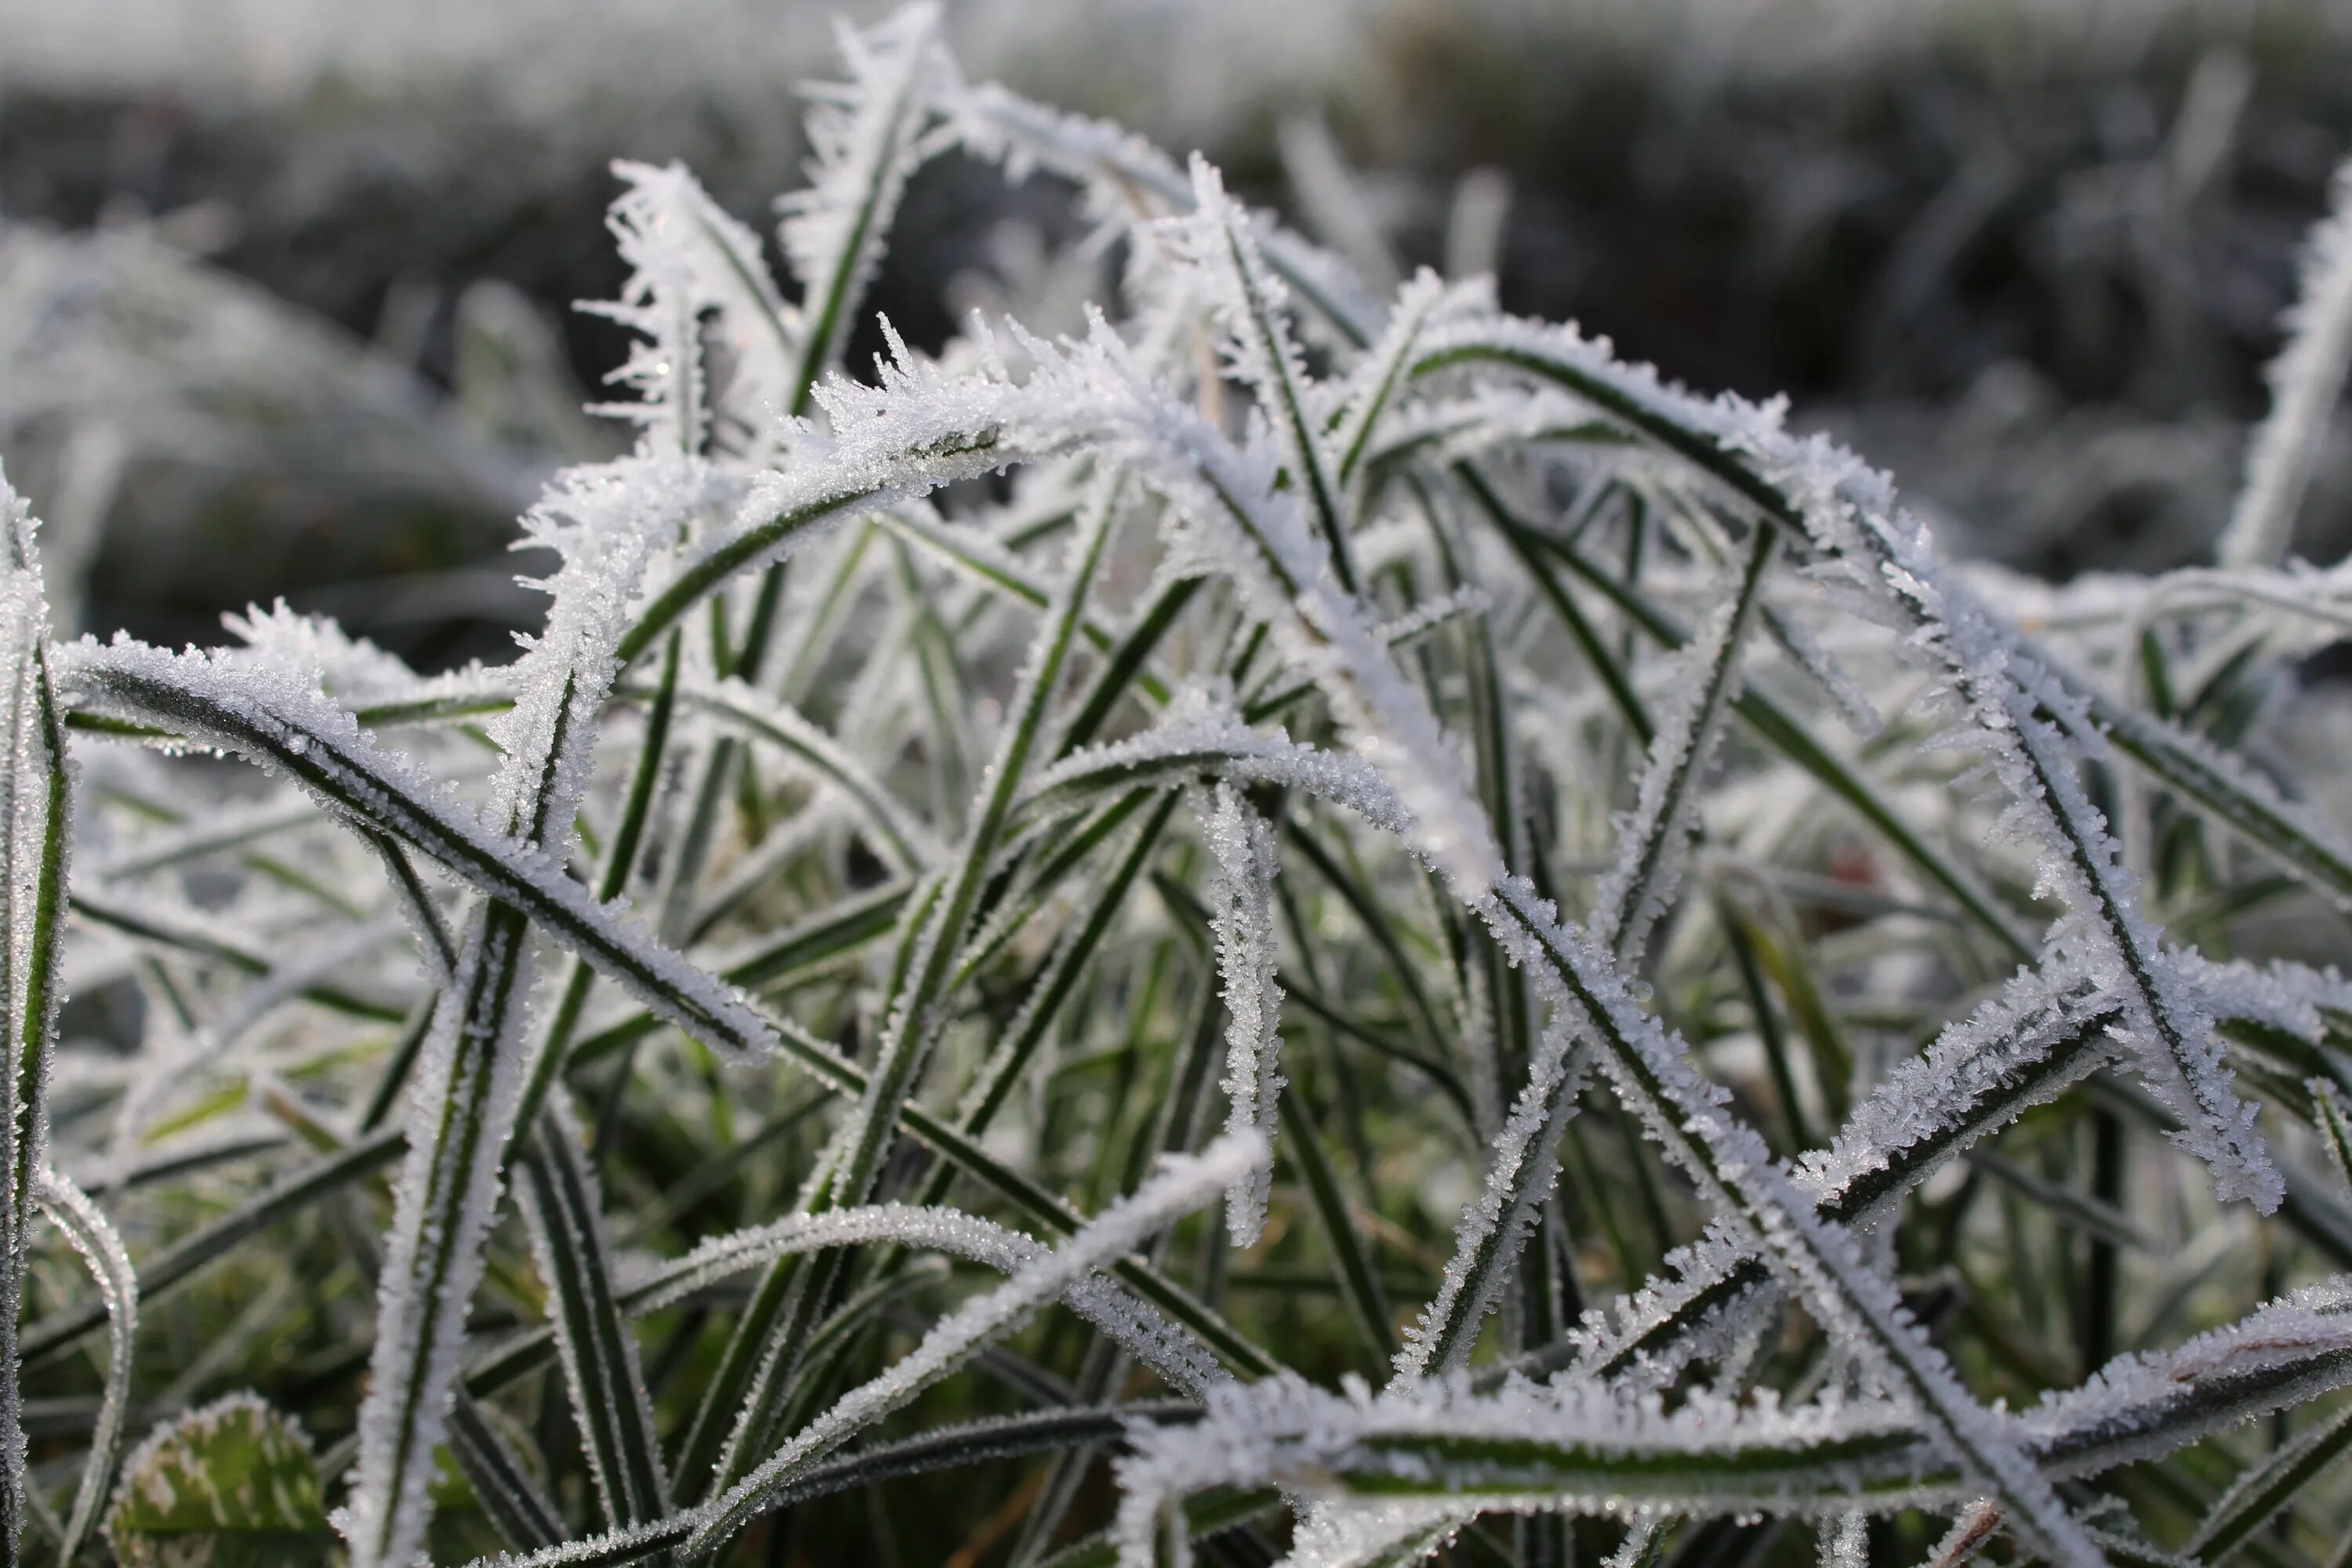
[(36, 806), (1583, 1453), (2290, 835), (763, 719), (1774, 725), (1682, 1112), (317, 745), (117, 1287), (2267, 1488), (1247, 301)]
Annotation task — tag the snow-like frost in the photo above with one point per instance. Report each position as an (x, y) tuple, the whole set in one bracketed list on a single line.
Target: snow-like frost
[(691, 264), (1241, 904), (866, 138), (2305, 379)]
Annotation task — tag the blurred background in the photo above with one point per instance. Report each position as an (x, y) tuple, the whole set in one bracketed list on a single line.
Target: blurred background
[(286, 286)]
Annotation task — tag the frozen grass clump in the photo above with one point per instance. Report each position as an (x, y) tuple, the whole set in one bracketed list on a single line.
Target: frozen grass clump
[(1717, 1032)]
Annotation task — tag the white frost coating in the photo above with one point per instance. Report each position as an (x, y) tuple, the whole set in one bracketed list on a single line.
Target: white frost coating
[(2137, 1407), (1520, 1182), (1972, 1063), (920, 426), (688, 260), (865, 138), (1200, 733), (34, 794), (2282, 995), (118, 1285), (1240, 900), (351, 669), (1845, 1542), (1636, 1547), (1394, 1534), (2307, 379), (1181, 1184), (273, 718), (1167, 1349), (2334, 1121), (1247, 301), (1311, 1441), (1433, 612), (1980, 1073), (1627, 1342), (604, 522), (1371, 390), (1700, 685)]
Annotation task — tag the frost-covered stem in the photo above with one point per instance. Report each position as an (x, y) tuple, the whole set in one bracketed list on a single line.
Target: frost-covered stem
[(1775, 726), (1248, 301), (36, 803), (2295, 837), (1361, 1463), (2307, 379), (315, 743), (1377, 382), (833, 228), (929, 951), (620, 861), (118, 1284), (1242, 921)]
